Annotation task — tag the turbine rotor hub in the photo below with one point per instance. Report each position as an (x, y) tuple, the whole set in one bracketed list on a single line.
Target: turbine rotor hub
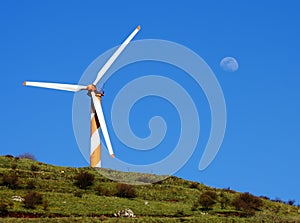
[(92, 88)]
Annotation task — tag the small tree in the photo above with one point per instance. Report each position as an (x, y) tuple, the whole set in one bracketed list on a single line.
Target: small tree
[(11, 181), (32, 199), (247, 202), (126, 190), (207, 199), (84, 180)]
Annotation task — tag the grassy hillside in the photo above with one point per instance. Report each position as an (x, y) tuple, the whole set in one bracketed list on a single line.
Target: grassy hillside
[(170, 200)]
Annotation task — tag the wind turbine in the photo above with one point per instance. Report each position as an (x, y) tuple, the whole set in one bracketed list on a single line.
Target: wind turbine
[(97, 116)]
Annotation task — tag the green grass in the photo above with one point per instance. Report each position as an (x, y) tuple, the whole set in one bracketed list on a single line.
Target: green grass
[(170, 200)]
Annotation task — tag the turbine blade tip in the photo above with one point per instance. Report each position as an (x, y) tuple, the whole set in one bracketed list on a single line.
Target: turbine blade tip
[(24, 83), (112, 155), (139, 27)]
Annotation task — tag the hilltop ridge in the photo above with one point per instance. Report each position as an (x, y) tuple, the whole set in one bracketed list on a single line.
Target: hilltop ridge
[(66, 194)]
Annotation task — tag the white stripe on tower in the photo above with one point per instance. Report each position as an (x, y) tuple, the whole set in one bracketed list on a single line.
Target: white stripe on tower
[(95, 160)]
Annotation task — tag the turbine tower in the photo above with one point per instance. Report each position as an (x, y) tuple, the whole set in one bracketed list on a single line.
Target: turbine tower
[(97, 117)]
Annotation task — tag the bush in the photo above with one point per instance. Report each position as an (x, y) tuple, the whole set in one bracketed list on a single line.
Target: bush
[(99, 190), (14, 166), (27, 156), (247, 202), (84, 180), (78, 194), (11, 181), (31, 185), (9, 156), (211, 194), (34, 167), (207, 199), (3, 210), (291, 202), (125, 190), (32, 199), (194, 185), (104, 191), (265, 197), (195, 206), (224, 200), (278, 200)]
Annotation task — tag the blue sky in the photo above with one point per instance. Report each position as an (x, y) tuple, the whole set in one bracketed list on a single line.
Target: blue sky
[(57, 40)]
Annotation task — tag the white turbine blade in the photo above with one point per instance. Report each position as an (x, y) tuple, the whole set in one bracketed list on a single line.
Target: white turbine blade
[(103, 126), (115, 55), (57, 86)]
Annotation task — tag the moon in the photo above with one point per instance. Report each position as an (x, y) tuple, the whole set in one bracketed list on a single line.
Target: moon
[(229, 64)]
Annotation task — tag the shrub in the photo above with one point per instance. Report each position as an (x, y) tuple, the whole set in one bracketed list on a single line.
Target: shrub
[(211, 194), (34, 167), (99, 190), (291, 202), (195, 206), (10, 204), (32, 199), (14, 166), (104, 191), (27, 156), (247, 202), (84, 180), (31, 184), (11, 181), (224, 200), (265, 197), (78, 194), (3, 210), (278, 200), (125, 190), (9, 156), (207, 199), (194, 185)]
